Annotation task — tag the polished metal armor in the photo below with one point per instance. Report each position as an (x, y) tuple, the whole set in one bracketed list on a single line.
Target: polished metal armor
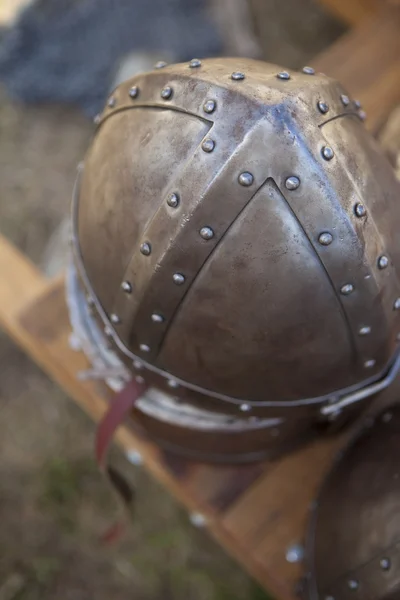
[(236, 236), (354, 542)]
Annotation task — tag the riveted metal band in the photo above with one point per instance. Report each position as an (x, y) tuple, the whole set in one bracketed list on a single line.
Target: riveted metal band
[(193, 88), (380, 573)]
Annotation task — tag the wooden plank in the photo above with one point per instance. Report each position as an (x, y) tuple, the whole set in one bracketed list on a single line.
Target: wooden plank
[(352, 11), (367, 62)]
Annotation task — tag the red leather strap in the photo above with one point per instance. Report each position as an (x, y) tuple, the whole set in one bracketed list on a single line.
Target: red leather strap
[(120, 406)]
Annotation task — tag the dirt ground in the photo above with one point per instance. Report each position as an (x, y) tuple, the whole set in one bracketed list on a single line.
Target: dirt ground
[(53, 503)]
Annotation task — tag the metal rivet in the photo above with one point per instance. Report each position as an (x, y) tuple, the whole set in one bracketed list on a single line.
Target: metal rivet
[(126, 287), (145, 249), (385, 564), (325, 238), (308, 70), (139, 379), (111, 102), (173, 383), (362, 115), (144, 348), (138, 364), (90, 301), (209, 106), (108, 331), (208, 145), (115, 319), (283, 75), (206, 233), (329, 598), (396, 305), (178, 278), (197, 519), (353, 584), (383, 262), (157, 318), (345, 100), (194, 63), (245, 179), (360, 210), (245, 407), (387, 417), (160, 64), (365, 330), (238, 76), (173, 200), (295, 553), (166, 92), (357, 104), (134, 91), (323, 107), (369, 363), (134, 457), (97, 119), (327, 153), (292, 183), (347, 289)]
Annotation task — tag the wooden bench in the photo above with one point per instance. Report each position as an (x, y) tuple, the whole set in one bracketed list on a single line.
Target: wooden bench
[(257, 512)]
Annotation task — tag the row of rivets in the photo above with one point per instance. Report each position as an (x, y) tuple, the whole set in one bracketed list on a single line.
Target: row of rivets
[(246, 179), (354, 584)]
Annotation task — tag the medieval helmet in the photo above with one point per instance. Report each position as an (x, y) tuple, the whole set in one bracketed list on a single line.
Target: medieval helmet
[(235, 241), (354, 536)]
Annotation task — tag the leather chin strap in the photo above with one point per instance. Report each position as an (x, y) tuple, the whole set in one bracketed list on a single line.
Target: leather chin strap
[(121, 405)]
